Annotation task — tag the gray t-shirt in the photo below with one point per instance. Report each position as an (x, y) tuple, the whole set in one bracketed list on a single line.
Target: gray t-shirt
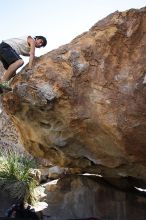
[(20, 45)]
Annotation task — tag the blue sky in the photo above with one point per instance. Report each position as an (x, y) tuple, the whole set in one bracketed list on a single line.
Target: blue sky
[(59, 20)]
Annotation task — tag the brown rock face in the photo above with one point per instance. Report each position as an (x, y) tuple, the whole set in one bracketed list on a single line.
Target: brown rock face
[(81, 198), (84, 105), (9, 138)]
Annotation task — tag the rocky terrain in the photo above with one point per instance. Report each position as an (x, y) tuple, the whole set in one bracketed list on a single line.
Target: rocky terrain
[(9, 136)]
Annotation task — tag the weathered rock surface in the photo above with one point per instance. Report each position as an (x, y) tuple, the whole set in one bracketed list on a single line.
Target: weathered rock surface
[(9, 136), (80, 197), (84, 104)]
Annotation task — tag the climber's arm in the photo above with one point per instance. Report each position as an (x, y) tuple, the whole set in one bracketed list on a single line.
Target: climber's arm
[(31, 42)]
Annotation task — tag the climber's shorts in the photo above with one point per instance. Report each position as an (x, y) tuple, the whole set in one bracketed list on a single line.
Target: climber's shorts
[(8, 55)]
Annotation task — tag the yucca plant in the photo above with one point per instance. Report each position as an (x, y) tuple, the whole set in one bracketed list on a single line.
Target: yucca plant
[(15, 176)]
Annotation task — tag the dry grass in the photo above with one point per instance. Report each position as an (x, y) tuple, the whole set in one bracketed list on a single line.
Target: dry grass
[(15, 177)]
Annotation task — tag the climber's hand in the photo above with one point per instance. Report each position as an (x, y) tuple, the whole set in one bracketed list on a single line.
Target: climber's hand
[(28, 69), (26, 75)]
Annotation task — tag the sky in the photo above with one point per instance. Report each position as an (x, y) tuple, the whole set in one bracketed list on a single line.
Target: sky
[(58, 20)]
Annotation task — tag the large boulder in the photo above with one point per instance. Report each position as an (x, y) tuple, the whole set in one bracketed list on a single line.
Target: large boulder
[(84, 104)]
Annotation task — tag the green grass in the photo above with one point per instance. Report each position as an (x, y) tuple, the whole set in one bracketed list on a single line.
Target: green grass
[(15, 176)]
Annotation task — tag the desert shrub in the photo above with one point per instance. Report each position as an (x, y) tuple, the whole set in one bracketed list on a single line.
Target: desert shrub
[(15, 177)]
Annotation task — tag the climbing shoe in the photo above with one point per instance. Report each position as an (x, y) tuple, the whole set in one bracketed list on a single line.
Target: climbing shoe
[(5, 87)]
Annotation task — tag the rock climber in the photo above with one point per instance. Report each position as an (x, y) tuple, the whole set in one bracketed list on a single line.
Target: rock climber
[(10, 51)]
